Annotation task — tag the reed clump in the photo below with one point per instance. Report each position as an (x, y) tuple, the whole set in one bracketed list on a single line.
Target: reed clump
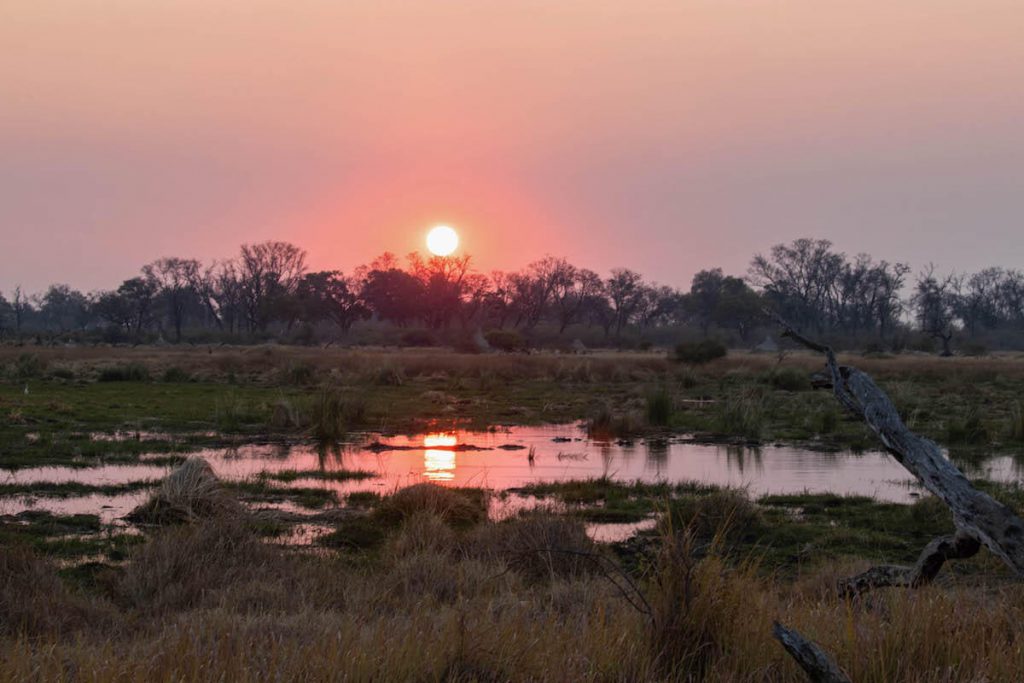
[(190, 493), (458, 508)]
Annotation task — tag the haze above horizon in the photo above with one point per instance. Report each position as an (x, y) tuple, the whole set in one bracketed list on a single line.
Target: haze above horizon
[(661, 136)]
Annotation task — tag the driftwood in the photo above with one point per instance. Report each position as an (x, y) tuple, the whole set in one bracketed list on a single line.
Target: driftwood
[(816, 663), (979, 519)]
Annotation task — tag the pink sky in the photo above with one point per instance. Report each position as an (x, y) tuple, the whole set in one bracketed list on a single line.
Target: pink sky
[(663, 136)]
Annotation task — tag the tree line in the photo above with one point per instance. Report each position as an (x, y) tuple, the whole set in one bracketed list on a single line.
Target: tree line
[(267, 290)]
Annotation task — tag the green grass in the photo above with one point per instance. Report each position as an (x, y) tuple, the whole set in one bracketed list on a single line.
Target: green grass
[(72, 489), (325, 475)]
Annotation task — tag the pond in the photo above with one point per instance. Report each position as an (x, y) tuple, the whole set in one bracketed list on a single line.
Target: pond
[(508, 458)]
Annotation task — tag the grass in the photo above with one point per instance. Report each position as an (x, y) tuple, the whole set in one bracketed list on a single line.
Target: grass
[(522, 599), (71, 489), (189, 493), (323, 475)]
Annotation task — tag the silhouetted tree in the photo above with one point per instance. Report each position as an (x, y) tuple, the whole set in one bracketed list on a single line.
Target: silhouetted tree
[(267, 273), (328, 295), (935, 304)]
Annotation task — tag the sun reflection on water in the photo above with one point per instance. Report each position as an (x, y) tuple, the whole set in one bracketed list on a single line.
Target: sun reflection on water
[(438, 456)]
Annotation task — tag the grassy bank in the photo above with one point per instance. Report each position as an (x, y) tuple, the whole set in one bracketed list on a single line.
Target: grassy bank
[(444, 594)]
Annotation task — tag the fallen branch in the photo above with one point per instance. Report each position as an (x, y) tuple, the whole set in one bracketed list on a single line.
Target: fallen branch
[(818, 664), (979, 519)]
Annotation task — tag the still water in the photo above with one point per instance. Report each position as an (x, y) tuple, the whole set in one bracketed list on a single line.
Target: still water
[(512, 457)]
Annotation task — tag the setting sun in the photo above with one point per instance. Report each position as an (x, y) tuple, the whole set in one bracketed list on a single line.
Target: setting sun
[(442, 240)]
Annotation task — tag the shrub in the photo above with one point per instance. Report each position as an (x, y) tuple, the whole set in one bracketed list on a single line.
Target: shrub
[(132, 372), (63, 372), (28, 366), (787, 379), (299, 373), (697, 353), (974, 349), (418, 338), (175, 375), (506, 340)]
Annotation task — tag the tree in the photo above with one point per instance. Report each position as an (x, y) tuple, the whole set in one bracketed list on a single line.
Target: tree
[(935, 303), (328, 295), (173, 279), (6, 314), (573, 287), (624, 292), (393, 295), (267, 273), (64, 309)]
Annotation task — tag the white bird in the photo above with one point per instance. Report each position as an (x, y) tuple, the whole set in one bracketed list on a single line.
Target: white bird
[(26, 390)]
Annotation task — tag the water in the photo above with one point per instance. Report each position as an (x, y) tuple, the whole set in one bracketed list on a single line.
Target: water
[(510, 458)]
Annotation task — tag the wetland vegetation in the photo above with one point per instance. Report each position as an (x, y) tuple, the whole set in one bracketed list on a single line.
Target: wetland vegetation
[(300, 570)]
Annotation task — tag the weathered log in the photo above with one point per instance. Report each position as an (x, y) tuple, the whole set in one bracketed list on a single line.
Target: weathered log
[(978, 517), (816, 663), (935, 554)]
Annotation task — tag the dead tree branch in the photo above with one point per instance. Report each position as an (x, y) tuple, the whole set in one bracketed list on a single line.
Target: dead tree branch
[(818, 664), (979, 519)]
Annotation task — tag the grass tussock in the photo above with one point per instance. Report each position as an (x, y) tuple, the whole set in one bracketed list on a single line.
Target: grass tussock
[(743, 414), (537, 544), (331, 414), (608, 425), (191, 492), (128, 372), (34, 601), (456, 507), (660, 407), (516, 600)]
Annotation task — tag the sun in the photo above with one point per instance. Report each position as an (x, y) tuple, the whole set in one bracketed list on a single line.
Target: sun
[(442, 240)]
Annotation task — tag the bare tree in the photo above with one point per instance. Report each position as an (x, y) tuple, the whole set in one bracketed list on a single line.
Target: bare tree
[(267, 272), (935, 304)]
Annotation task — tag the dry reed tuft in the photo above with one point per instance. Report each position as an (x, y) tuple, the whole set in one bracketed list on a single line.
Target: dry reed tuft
[(189, 493), (35, 602), (459, 508), (537, 544)]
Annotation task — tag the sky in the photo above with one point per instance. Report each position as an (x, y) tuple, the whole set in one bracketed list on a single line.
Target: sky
[(664, 136)]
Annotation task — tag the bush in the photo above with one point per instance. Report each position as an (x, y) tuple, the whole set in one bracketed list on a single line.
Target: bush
[(697, 353), (787, 379), (299, 373), (175, 375), (132, 372), (974, 349), (506, 340), (418, 338), (28, 366)]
